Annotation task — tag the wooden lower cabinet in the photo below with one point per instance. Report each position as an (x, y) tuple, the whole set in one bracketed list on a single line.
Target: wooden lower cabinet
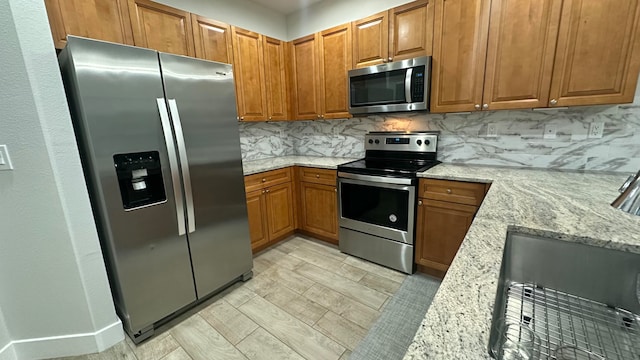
[(270, 208), (257, 211), (319, 210), (442, 225)]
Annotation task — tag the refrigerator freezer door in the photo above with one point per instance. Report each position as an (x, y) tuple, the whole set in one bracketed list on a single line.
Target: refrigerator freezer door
[(204, 98), (112, 92)]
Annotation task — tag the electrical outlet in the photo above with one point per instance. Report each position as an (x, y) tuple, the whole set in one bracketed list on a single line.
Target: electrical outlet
[(595, 130), (336, 130), (492, 130), (282, 134), (549, 131), (5, 160)]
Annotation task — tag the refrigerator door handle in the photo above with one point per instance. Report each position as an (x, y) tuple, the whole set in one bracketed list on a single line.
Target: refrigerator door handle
[(173, 164), (184, 162)]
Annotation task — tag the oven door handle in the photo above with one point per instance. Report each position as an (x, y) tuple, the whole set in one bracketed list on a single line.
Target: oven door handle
[(376, 179)]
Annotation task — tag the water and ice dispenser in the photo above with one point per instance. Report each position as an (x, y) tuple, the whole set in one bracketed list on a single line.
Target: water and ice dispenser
[(140, 179)]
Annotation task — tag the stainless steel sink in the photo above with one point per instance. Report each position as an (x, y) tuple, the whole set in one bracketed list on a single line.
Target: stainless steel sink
[(570, 294)]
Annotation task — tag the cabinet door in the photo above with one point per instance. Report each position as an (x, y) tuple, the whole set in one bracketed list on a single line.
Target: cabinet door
[(522, 45), (335, 61), (249, 75), (411, 30), (319, 205), (371, 40), (106, 20), (598, 54), (161, 27), (280, 210), (459, 54), (276, 81), (212, 39), (305, 78), (257, 212), (441, 227)]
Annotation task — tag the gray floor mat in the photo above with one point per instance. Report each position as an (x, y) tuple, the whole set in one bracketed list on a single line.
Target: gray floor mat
[(394, 330)]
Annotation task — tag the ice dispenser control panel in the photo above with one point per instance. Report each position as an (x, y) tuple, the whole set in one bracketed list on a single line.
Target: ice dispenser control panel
[(140, 179)]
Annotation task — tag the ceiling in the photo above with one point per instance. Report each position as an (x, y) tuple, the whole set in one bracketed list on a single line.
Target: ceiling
[(286, 7)]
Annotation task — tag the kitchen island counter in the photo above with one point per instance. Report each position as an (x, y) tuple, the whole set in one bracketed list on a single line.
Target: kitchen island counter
[(257, 166), (569, 206)]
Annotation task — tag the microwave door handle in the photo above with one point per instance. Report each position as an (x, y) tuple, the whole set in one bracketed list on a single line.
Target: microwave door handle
[(407, 85), (173, 164), (184, 164)]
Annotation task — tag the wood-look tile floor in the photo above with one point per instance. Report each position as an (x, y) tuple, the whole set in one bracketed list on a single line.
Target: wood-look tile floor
[(307, 300)]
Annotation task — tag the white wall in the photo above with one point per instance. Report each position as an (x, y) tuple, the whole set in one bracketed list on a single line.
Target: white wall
[(54, 292), (243, 13), (329, 13)]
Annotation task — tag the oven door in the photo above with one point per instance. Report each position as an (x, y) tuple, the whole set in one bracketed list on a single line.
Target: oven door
[(380, 206)]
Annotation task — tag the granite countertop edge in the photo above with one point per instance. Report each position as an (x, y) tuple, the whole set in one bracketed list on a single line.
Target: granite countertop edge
[(564, 205), (251, 167)]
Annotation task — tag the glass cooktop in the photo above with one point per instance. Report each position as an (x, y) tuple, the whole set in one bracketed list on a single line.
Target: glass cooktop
[(388, 167)]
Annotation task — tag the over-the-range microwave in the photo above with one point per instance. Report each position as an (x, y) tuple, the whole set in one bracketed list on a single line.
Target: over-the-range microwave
[(395, 86)]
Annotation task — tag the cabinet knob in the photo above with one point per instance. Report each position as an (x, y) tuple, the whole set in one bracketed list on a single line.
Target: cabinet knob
[(269, 117), (266, 191), (263, 191), (241, 118), (553, 101), (318, 116), (238, 118), (485, 106), (322, 116), (384, 61), (263, 179), (335, 189), (448, 191), (477, 106), (419, 202), (390, 58), (317, 176)]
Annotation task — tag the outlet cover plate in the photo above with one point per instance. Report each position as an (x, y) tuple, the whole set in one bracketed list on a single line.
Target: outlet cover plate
[(5, 160), (492, 130), (595, 130), (550, 131)]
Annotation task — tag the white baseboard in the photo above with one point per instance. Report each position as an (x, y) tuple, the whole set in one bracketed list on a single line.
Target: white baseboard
[(8, 353), (65, 345)]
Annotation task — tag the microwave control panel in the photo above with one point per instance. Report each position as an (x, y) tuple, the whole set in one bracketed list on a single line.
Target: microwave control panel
[(417, 84)]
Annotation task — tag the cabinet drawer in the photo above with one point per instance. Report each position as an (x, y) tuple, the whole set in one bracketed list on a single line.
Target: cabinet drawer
[(268, 178), (452, 191), (317, 176)]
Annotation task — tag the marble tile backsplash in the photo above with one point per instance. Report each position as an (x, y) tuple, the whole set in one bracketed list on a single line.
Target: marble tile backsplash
[(463, 139)]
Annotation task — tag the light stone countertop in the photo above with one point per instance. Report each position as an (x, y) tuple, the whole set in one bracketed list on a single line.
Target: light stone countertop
[(570, 206), (257, 166)]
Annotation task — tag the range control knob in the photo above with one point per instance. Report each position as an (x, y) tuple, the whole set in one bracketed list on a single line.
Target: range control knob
[(419, 142), (427, 142), (377, 141), (370, 141)]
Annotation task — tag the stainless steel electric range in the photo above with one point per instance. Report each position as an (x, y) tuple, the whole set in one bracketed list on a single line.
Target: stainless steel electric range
[(377, 197)]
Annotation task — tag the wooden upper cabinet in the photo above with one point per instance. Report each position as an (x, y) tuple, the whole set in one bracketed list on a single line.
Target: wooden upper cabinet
[(411, 30), (106, 20), (335, 60), (249, 75), (459, 54), (276, 80), (520, 53), (597, 58), (162, 28), (305, 78), (212, 39), (371, 40)]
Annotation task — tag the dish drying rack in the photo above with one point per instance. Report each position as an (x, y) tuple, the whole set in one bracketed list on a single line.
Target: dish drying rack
[(561, 319)]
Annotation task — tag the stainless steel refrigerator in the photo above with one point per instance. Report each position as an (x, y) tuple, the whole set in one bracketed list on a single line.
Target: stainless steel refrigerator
[(160, 148)]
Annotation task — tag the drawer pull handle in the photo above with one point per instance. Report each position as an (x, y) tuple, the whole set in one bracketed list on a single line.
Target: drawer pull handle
[(448, 191), (317, 176), (263, 180)]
